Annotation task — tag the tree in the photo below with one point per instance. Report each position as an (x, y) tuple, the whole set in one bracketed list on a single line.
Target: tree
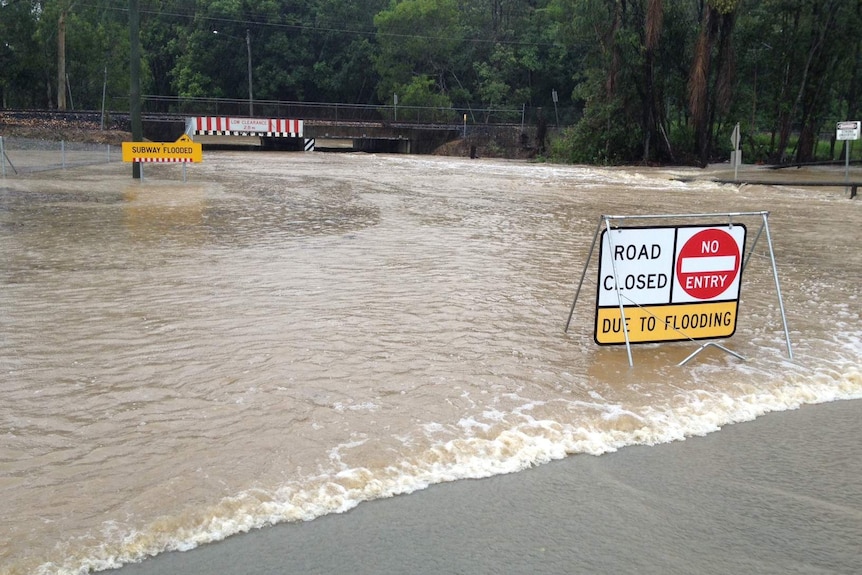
[(812, 62), (620, 79), (20, 56), (343, 68), (416, 38), (711, 74), (165, 28)]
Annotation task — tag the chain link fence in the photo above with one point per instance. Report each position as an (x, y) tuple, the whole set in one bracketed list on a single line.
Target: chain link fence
[(391, 112), (23, 155)]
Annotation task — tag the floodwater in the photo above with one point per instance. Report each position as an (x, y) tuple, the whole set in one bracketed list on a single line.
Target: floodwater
[(284, 336)]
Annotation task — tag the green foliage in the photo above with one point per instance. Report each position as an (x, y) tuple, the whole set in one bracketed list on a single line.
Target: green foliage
[(597, 139), (420, 91), (415, 37), (21, 59), (785, 70), (724, 6)]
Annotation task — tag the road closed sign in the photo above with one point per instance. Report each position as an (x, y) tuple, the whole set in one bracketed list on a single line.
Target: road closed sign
[(674, 283), (640, 262)]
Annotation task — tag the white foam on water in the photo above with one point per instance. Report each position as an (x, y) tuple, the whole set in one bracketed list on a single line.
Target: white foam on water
[(523, 441)]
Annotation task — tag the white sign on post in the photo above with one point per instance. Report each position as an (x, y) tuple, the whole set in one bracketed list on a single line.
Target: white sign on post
[(847, 130)]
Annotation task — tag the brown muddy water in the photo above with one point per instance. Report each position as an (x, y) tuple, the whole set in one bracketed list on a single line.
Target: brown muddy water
[(284, 336)]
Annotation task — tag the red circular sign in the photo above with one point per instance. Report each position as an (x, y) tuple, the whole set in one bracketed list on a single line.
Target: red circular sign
[(708, 264)]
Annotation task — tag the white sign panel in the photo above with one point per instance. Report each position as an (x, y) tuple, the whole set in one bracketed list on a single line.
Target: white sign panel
[(643, 258), (847, 131), (248, 124)]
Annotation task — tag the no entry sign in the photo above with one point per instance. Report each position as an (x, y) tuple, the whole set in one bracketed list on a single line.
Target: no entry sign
[(707, 264)]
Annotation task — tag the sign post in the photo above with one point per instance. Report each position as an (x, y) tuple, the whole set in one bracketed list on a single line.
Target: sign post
[(847, 131), (736, 154), (556, 114)]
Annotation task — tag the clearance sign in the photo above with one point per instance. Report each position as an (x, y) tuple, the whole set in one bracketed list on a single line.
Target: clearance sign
[(674, 283), (183, 150)]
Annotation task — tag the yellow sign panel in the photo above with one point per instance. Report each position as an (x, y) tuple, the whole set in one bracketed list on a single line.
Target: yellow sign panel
[(648, 324), (183, 150)]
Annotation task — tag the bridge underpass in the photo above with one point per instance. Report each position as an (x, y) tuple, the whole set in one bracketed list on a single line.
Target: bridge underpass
[(334, 134), (320, 135), (395, 138)]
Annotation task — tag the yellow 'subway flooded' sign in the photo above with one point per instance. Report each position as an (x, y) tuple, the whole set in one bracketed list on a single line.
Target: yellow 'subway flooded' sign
[(183, 150)]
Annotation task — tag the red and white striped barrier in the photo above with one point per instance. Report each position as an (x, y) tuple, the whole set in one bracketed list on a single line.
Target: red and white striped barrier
[(226, 126)]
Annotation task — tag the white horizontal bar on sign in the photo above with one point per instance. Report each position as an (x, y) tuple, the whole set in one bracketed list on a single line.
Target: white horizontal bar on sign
[(708, 264)]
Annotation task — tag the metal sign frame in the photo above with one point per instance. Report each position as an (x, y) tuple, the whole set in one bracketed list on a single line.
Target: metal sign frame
[(606, 222)]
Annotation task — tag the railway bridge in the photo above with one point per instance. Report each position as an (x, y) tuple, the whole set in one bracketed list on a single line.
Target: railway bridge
[(305, 126), (331, 126), (314, 134)]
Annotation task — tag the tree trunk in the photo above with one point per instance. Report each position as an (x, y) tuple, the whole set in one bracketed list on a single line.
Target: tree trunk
[(698, 84), (724, 71), (821, 25), (652, 33)]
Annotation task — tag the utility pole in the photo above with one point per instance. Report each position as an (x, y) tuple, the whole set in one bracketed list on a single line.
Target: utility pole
[(250, 97), (135, 88), (61, 61), (62, 77)]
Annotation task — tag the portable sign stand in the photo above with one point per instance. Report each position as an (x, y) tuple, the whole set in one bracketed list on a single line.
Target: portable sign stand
[(672, 282)]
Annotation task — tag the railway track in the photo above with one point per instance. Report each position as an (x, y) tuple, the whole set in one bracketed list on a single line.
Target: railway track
[(118, 119)]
